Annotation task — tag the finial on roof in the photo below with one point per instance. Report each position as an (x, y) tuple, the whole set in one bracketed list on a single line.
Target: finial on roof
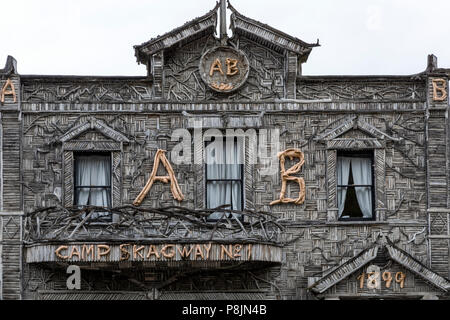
[(432, 63)]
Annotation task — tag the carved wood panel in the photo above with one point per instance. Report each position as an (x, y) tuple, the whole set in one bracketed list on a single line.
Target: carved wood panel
[(183, 80), (357, 90), (68, 168), (87, 92)]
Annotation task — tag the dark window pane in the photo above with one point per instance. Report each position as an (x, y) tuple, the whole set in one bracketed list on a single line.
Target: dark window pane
[(355, 191)]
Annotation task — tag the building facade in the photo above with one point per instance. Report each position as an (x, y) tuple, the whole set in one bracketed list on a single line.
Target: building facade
[(330, 187)]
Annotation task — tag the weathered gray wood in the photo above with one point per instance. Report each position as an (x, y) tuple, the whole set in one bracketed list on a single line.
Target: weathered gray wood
[(394, 117)]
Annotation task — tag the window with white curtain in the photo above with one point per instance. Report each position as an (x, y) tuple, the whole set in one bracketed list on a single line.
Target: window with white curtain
[(355, 185), (93, 182), (224, 175)]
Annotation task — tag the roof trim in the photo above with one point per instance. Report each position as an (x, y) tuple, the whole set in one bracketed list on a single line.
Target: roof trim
[(201, 25), (361, 78), (415, 266), (364, 257), (241, 24), (10, 66), (81, 78)]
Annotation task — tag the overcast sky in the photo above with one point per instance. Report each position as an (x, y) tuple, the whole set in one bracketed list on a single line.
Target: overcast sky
[(96, 37)]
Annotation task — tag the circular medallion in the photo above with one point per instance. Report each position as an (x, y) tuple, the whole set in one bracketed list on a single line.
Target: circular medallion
[(224, 69)]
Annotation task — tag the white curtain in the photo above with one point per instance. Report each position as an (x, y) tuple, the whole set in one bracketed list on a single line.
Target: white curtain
[(224, 163), (91, 171), (362, 175), (343, 173)]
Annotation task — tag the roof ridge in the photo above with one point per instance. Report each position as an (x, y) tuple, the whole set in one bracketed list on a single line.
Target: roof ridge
[(206, 15)]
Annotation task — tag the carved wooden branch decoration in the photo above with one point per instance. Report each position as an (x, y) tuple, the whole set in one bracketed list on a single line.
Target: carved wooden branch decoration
[(174, 187), (286, 176), (169, 223)]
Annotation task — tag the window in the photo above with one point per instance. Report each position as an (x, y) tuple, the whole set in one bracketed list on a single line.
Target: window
[(224, 175), (93, 181), (355, 185)]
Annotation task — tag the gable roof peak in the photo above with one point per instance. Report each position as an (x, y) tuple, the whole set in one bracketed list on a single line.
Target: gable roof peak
[(200, 26), (268, 35), (239, 24), (367, 255)]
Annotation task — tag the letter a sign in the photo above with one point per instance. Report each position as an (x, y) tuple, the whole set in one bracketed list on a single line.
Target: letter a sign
[(174, 187)]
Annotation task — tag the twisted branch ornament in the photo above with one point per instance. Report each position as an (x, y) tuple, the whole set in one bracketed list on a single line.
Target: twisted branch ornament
[(286, 176), (174, 187)]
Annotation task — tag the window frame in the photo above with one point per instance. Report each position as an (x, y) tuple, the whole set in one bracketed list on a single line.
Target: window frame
[(75, 187), (241, 180), (369, 153)]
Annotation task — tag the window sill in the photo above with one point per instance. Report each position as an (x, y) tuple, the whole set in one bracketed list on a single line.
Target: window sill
[(349, 223)]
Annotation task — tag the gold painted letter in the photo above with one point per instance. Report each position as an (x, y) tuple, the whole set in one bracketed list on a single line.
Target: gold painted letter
[(168, 255), (59, 255), (9, 90), (174, 187), (101, 253), (439, 90), (232, 68), (124, 253), (286, 176), (87, 251), (215, 66)]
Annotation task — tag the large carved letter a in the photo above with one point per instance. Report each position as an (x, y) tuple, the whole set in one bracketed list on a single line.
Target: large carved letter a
[(174, 187)]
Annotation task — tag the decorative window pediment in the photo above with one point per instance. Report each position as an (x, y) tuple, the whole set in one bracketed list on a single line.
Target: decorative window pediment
[(355, 133), (93, 135), (93, 124), (75, 139)]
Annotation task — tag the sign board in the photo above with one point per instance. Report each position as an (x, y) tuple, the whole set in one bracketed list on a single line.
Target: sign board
[(134, 252)]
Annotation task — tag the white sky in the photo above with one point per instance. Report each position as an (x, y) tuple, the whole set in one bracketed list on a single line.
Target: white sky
[(96, 37)]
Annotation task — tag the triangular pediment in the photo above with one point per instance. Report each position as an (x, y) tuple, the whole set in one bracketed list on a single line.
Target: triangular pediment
[(239, 24), (357, 126), (367, 256), (93, 125)]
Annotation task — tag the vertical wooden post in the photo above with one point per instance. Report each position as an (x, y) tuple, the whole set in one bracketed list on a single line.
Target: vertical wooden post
[(223, 22), (1, 260)]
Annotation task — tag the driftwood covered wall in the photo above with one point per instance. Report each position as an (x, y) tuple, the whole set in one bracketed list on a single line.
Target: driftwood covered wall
[(324, 242), (395, 117)]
